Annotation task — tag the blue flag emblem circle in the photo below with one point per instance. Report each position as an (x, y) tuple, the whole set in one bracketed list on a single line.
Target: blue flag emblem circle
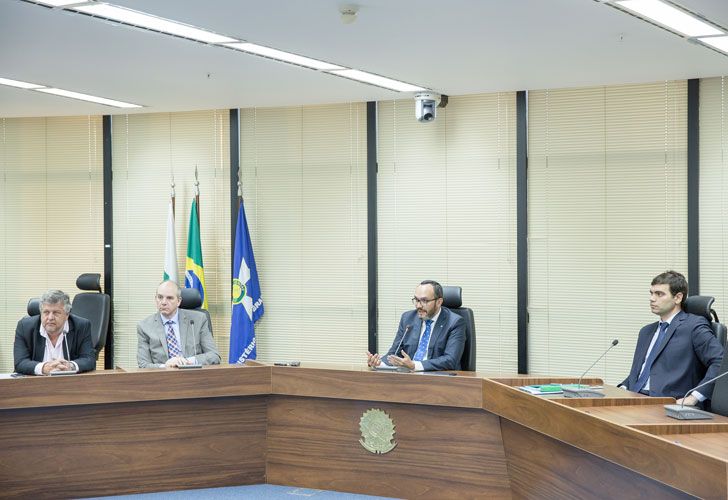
[(239, 291)]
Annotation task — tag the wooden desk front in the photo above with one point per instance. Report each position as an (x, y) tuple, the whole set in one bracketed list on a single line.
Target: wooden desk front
[(465, 436)]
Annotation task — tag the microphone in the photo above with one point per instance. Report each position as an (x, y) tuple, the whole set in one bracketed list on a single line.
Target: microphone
[(679, 411), (385, 366), (587, 392), (406, 329), (196, 364)]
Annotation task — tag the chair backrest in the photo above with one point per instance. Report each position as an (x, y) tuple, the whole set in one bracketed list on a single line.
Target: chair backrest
[(453, 300), (702, 305), (95, 306), (34, 307), (191, 299), (719, 399)]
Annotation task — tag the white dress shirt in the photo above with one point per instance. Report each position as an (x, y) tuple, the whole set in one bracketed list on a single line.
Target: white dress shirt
[(54, 352), (418, 364)]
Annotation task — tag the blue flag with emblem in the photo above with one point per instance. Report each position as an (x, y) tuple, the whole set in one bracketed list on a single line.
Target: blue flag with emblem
[(247, 302)]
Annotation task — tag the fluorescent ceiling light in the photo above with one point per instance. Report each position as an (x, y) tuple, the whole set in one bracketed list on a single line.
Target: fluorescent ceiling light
[(719, 42), (379, 81), (671, 17), (284, 56), (59, 3), (19, 84), (153, 23), (86, 97)]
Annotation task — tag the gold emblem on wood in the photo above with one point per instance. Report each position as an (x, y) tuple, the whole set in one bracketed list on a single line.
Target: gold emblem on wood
[(377, 431)]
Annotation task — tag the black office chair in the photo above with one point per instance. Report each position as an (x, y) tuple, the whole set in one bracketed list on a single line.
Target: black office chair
[(192, 300), (95, 306), (33, 307), (702, 305), (453, 300)]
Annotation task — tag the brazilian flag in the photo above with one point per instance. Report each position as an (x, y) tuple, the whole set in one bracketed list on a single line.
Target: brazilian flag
[(194, 268)]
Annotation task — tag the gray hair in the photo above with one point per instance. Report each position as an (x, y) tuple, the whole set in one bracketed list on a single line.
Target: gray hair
[(56, 297)]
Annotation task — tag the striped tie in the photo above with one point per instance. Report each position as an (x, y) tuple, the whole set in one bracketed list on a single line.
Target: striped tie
[(172, 344)]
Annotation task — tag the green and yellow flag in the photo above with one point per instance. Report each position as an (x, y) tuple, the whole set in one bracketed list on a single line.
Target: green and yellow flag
[(194, 268)]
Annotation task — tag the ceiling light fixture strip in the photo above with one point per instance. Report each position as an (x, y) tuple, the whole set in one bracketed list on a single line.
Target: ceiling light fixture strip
[(67, 93), (145, 21)]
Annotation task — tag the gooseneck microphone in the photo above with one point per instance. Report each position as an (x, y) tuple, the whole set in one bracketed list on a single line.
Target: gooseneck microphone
[(587, 392), (680, 412), (196, 364), (401, 341)]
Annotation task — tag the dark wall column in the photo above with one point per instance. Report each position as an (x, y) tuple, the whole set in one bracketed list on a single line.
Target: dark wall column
[(372, 269), (108, 237), (693, 187), (234, 175), (522, 227)]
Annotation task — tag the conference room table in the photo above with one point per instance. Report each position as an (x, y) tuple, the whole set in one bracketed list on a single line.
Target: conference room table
[(455, 435)]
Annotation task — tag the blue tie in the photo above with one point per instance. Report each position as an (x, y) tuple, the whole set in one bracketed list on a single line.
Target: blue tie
[(422, 348), (642, 380)]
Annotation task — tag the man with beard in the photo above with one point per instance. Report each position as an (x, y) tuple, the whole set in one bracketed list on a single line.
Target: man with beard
[(429, 338)]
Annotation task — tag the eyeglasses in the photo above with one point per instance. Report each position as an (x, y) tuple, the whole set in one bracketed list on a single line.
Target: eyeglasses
[(424, 302)]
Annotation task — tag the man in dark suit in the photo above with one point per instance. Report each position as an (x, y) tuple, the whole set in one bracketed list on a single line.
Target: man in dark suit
[(429, 338), (676, 353), (55, 340), (172, 337)]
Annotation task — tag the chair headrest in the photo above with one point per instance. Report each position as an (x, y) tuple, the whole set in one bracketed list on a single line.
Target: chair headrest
[(191, 298), (700, 305), (34, 307), (89, 281), (452, 296)]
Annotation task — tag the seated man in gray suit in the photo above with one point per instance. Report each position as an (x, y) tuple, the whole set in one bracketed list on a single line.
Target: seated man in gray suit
[(429, 338), (173, 336), (54, 341), (677, 353)]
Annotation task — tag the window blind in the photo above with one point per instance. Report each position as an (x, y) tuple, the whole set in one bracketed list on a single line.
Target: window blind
[(148, 151), (51, 219), (447, 211), (303, 171), (607, 212)]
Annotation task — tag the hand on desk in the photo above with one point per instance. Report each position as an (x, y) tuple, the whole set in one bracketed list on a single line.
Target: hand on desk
[(57, 365), (405, 361), (688, 401), (176, 361)]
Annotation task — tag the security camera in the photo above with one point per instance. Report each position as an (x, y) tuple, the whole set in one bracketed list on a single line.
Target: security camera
[(426, 106)]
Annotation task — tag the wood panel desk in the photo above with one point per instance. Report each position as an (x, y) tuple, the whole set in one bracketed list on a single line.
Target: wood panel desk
[(465, 436)]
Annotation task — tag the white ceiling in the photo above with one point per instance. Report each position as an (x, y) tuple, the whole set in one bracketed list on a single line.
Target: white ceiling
[(454, 47)]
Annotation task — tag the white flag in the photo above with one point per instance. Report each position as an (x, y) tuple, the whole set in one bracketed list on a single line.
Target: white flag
[(170, 252)]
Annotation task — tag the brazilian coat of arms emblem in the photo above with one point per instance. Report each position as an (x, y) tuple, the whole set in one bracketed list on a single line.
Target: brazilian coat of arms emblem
[(377, 431)]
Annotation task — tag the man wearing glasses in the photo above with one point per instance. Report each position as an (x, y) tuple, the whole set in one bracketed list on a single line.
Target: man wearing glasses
[(429, 338)]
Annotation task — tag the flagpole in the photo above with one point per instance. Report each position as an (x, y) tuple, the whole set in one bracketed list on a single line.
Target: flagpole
[(172, 194), (197, 193)]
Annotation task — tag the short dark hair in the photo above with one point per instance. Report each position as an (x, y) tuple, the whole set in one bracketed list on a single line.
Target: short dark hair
[(437, 287), (677, 282)]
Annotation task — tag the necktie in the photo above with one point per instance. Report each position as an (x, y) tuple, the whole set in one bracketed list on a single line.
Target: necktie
[(642, 380), (172, 345), (422, 348)]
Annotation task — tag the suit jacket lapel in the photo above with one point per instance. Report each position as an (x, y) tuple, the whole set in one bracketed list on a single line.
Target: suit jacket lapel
[(437, 329), (40, 344), (161, 332), (184, 331), (669, 333)]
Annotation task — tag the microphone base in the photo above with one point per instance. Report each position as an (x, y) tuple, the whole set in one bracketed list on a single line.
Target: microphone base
[(190, 367), (681, 412), (581, 392)]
